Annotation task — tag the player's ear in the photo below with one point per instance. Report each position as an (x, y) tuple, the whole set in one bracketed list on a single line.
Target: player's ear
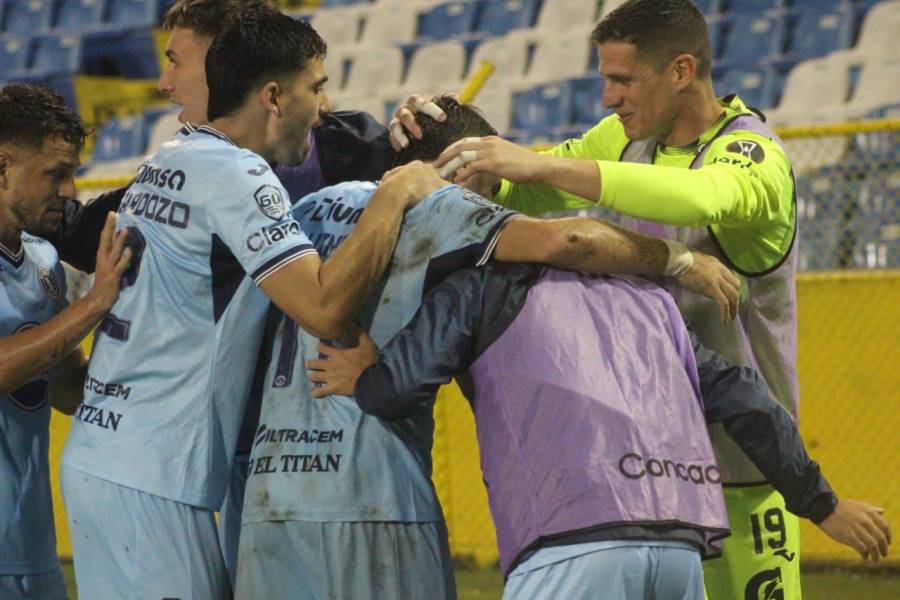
[(270, 97)]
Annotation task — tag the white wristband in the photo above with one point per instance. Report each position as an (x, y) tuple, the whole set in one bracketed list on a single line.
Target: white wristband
[(680, 259)]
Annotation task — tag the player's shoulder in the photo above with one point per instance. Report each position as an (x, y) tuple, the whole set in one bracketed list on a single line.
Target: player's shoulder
[(753, 147), (339, 203), (39, 249)]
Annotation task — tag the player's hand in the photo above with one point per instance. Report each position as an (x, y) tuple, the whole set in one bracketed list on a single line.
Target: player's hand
[(112, 261), (413, 181), (404, 120), (341, 367), (492, 155), (709, 277), (861, 526)]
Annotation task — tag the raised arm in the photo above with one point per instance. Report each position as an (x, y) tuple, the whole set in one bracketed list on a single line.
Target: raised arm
[(739, 399), (28, 354)]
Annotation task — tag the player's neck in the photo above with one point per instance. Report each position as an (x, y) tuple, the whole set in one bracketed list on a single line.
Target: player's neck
[(10, 235), (700, 109), (245, 131)]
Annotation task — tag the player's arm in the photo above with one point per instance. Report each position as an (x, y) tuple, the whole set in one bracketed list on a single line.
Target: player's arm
[(29, 353), (436, 345), (738, 398), (731, 189), (323, 297), (78, 237), (66, 389), (594, 246)]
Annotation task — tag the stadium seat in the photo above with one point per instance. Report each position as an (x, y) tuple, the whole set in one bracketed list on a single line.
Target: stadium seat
[(496, 104), (336, 3), (751, 7), (752, 84), (22, 17), (565, 15), (877, 86), (816, 5), (587, 101), (452, 19), (441, 64), (13, 55), (129, 53), (509, 55), (133, 13), (56, 54), (811, 34), (337, 26), (372, 105), (162, 129), (560, 57), (814, 90), (748, 40), (878, 35), (501, 16), (609, 6), (543, 106), (371, 72), (78, 15), (121, 137), (388, 26), (708, 7)]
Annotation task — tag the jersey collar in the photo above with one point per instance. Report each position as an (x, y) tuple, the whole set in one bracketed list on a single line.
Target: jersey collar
[(215, 133), (733, 107), (14, 258)]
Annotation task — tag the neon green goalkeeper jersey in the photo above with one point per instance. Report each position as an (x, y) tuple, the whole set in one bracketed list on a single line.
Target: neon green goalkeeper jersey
[(743, 191)]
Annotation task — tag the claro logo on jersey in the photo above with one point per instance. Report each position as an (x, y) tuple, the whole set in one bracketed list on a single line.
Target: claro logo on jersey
[(272, 234), (50, 284), (635, 466), (270, 201)]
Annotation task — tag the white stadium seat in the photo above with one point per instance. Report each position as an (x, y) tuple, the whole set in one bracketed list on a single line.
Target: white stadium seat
[(432, 64), (389, 26), (565, 15), (374, 70)]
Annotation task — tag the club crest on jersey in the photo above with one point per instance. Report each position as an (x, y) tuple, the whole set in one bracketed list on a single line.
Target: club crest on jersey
[(270, 202), (50, 284), (751, 150)]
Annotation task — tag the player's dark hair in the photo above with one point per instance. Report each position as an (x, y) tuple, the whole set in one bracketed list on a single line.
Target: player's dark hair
[(463, 120), (263, 45), (660, 30), (30, 114), (206, 17)]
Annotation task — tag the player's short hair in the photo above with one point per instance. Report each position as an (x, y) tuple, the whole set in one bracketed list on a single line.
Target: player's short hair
[(660, 30), (463, 120), (262, 45), (31, 114), (205, 17)]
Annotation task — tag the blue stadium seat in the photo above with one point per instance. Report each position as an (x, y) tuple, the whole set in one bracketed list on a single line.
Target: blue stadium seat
[(754, 7), (13, 55), (500, 16), (26, 16), (56, 54), (752, 84), (545, 106), (449, 20), (708, 7), (129, 53), (587, 101), (811, 34), (749, 40), (79, 15), (818, 5), (121, 137), (133, 13)]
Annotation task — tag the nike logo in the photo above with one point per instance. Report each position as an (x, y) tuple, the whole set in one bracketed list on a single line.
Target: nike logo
[(788, 556), (259, 171)]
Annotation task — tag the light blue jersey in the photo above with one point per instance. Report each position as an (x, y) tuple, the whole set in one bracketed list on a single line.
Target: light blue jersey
[(32, 290), (324, 460), (171, 366)]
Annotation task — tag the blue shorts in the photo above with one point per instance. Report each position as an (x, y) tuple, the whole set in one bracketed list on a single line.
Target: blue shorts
[(614, 570), (39, 586), (303, 560), (130, 544)]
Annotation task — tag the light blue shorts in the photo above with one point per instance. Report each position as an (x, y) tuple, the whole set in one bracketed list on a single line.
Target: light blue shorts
[(229, 522), (40, 586), (128, 544), (302, 560), (615, 570)]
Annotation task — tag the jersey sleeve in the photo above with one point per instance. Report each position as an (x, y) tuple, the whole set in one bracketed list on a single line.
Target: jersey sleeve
[(605, 141), (251, 214), (459, 221)]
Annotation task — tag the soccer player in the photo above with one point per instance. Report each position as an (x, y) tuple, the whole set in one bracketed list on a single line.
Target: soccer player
[(587, 400), (39, 333), (707, 172), (338, 504), (150, 451)]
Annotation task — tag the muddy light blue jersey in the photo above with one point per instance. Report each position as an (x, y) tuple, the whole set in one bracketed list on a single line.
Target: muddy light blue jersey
[(171, 366), (32, 290), (324, 460)]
